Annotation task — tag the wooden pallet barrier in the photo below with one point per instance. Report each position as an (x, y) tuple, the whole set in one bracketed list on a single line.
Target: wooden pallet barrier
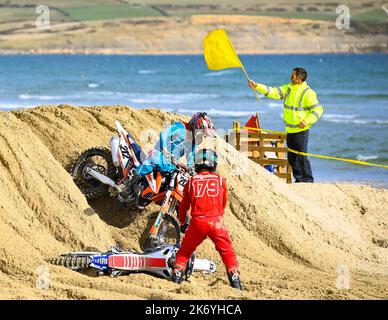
[(266, 149)]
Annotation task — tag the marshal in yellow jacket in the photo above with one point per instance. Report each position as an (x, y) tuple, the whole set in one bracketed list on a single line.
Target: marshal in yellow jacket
[(300, 104)]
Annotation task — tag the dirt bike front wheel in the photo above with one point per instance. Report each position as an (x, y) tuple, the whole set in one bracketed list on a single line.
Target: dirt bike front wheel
[(168, 233)]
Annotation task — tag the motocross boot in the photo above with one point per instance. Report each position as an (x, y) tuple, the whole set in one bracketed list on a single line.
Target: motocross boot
[(141, 203), (234, 279), (134, 177), (177, 275), (134, 180)]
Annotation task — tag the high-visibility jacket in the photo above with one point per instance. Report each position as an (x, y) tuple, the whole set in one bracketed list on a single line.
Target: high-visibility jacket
[(300, 104)]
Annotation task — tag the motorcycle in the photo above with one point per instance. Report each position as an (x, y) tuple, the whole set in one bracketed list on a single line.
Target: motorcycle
[(99, 169), (158, 262)]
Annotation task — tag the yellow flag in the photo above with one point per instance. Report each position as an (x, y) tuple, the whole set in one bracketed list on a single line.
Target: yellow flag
[(218, 51)]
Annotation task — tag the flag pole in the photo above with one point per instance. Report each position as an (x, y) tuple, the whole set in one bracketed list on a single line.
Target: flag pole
[(246, 75), (242, 67)]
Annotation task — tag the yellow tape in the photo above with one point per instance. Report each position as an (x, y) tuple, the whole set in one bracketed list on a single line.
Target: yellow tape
[(363, 163), (265, 130), (338, 159)]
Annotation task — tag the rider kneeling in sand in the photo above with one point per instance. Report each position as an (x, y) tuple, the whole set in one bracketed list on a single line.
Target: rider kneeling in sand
[(205, 193)]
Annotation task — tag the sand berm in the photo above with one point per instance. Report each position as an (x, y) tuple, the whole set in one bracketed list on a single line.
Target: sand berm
[(292, 241)]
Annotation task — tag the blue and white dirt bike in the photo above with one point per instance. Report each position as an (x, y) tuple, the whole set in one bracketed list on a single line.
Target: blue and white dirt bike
[(158, 262)]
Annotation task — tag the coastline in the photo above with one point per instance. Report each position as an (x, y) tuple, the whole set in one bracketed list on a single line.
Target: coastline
[(173, 53), (184, 35)]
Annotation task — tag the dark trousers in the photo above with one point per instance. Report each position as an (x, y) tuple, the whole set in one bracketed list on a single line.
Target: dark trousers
[(301, 168)]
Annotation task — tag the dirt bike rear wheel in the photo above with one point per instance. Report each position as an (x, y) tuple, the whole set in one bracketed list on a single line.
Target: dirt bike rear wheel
[(71, 261), (171, 237), (101, 159)]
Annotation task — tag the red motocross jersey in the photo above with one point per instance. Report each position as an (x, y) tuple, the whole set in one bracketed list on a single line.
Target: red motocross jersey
[(205, 193)]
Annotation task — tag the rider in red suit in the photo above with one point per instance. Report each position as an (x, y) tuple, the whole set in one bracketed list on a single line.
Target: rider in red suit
[(205, 193)]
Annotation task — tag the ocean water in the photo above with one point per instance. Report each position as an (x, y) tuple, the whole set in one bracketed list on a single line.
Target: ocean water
[(352, 88)]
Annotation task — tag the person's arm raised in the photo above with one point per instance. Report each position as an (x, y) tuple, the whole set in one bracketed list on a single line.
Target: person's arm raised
[(277, 93)]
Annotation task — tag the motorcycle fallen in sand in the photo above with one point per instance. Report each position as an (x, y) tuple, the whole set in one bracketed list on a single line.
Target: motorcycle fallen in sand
[(98, 170), (158, 262)]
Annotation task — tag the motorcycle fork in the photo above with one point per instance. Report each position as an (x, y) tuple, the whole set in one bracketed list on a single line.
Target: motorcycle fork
[(166, 207)]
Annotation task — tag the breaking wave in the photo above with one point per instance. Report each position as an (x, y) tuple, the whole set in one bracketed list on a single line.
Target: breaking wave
[(275, 105), (355, 119), (146, 72), (340, 116), (124, 97), (222, 113), (219, 73), (361, 157), (40, 97), (168, 98)]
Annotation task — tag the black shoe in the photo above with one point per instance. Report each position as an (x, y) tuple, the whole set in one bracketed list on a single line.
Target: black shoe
[(177, 276), (141, 203), (234, 280)]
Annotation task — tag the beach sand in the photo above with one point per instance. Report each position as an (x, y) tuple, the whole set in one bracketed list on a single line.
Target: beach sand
[(292, 241)]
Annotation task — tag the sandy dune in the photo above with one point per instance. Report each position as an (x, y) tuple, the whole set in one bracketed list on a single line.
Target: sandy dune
[(291, 240)]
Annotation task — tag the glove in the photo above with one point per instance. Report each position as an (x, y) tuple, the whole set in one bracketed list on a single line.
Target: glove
[(184, 227)]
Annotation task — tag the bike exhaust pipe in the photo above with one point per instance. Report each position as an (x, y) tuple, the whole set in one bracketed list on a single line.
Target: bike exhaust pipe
[(100, 177)]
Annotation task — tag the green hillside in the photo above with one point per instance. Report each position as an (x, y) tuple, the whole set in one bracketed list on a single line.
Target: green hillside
[(88, 10)]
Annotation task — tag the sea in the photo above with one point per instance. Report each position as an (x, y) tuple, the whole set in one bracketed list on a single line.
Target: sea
[(353, 88)]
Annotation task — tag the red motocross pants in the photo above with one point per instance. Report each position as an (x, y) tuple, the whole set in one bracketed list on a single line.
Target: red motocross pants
[(199, 229)]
